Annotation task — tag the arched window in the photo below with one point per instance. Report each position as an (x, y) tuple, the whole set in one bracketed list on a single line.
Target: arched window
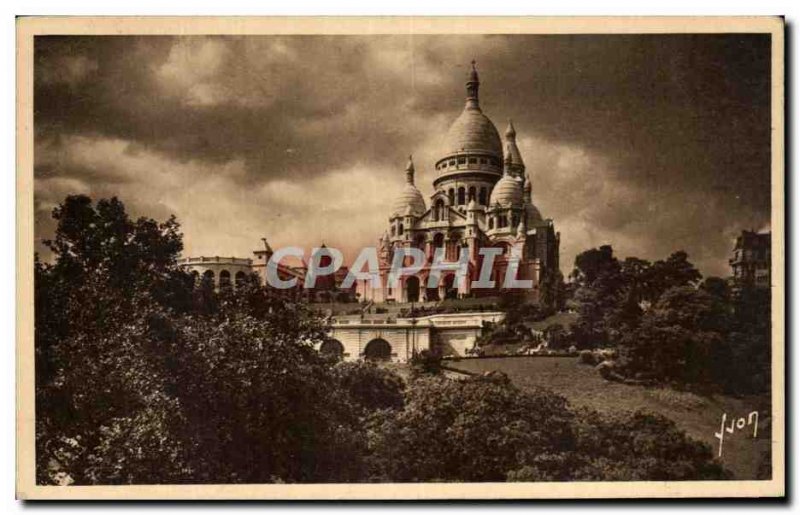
[(332, 348), (482, 197), (208, 279), (461, 196), (400, 230), (471, 195), (491, 222), (514, 220), (451, 194), (241, 278), (378, 350), (438, 213), (394, 230), (412, 289), (438, 241), (224, 280)]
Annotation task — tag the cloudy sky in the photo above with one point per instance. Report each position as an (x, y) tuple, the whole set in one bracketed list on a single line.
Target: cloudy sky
[(650, 143)]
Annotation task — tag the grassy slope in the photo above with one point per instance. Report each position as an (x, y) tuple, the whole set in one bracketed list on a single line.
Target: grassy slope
[(699, 416), (565, 319)]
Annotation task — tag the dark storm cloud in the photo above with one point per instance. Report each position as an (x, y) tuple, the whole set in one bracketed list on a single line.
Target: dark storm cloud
[(649, 142)]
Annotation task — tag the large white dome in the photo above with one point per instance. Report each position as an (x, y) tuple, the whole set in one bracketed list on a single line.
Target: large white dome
[(473, 132)]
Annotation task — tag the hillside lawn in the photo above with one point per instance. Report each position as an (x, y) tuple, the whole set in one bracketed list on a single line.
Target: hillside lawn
[(699, 416)]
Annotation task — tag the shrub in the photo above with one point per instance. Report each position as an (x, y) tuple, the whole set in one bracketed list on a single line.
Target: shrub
[(640, 446), (465, 430), (370, 386), (426, 362), (587, 357)]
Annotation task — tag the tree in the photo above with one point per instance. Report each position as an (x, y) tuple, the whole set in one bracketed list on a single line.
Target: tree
[(673, 272), (146, 379), (553, 291), (744, 364), (106, 269), (370, 386), (677, 338), (600, 283), (486, 429), (472, 430)]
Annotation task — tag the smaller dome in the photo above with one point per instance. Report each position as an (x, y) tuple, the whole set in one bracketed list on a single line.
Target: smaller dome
[(410, 201), (533, 216), (507, 192)]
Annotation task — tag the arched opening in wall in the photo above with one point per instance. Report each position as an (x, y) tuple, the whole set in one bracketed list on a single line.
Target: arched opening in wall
[(394, 231), (450, 289), (332, 348), (438, 212), (208, 279), (412, 289), (241, 279), (453, 246), (224, 280), (471, 195), (482, 197), (400, 230), (491, 222), (419, 241), (378, 350), (461, 195), (195, 275), (438, 241), (451, 194)]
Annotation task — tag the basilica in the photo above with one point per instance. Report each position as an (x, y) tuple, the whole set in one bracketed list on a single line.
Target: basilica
[(482, 197)]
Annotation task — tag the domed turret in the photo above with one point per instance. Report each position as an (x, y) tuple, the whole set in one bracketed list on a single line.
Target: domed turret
[(508, 190), (532, 215), (410, 200)]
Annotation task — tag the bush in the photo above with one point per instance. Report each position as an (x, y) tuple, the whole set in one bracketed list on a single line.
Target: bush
[(467, 430), (640, 446), (369, 386), (587, 357), (426, 362), (485, 429)]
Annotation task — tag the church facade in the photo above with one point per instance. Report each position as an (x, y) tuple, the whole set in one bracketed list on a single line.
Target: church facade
[(483, 197)]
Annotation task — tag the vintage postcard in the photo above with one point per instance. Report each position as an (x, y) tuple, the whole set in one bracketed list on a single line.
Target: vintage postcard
[(400, 258)]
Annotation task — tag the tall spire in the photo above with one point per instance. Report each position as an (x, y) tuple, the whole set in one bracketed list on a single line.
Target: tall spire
[(512, 151), (472, 88), (511, 132), (410, 170), (507, 161)]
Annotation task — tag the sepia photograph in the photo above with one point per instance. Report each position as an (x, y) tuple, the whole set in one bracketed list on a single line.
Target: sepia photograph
[(400, 258)]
